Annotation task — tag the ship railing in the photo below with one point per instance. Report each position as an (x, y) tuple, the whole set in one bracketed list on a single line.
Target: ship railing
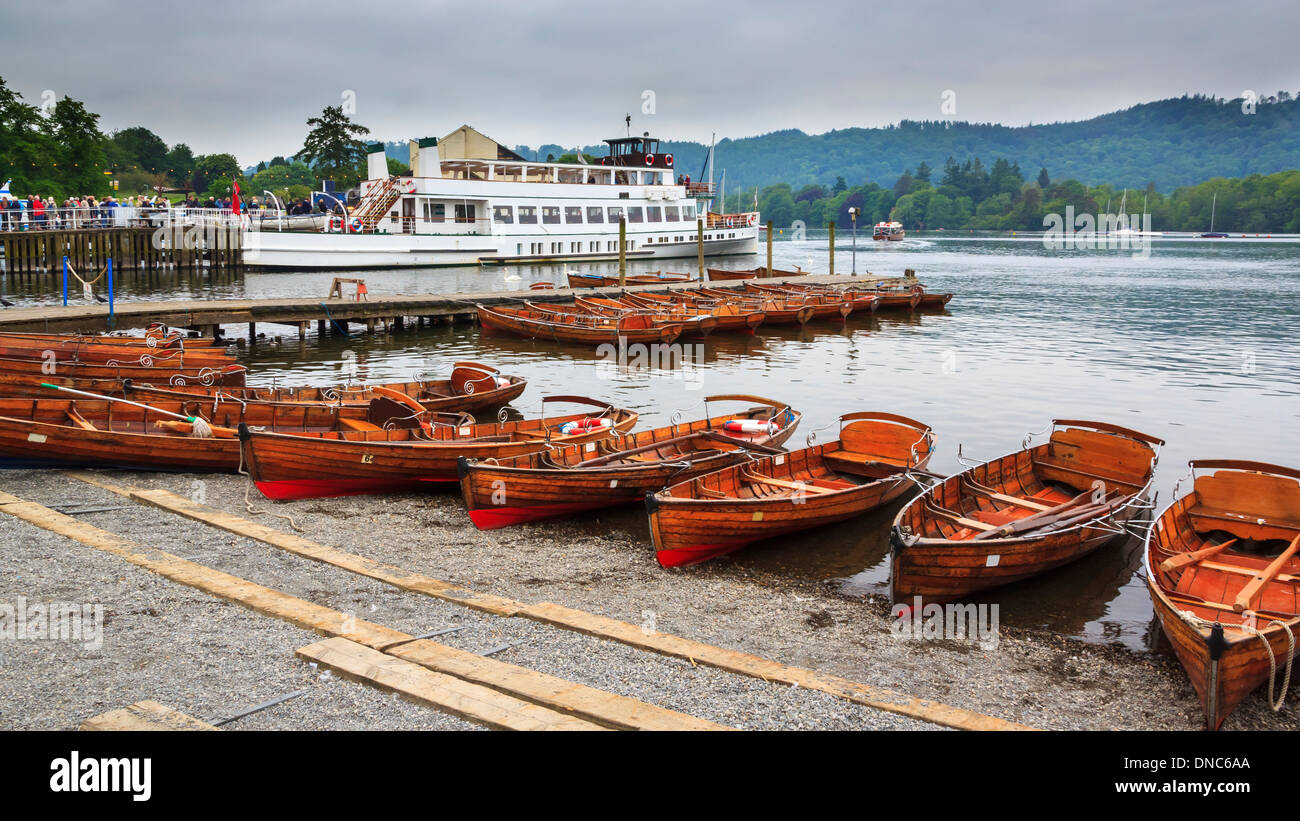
[(748, 219), (700, 189), (117, 216)]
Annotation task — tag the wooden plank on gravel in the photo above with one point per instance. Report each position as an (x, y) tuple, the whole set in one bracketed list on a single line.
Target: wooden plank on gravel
[(470, 701), (580, 621), (145, 715), (758, 667), (589, 703), (381, 571)]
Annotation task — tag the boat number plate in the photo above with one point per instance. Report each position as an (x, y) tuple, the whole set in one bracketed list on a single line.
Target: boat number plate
[(780, 460), (466, 431), (367, 458), (613, 483), (38, 438), (992, 561), (758, 516), (591, 446)]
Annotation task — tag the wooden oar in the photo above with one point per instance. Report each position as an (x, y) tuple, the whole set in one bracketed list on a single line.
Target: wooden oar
[(89, 395), (1256, 585), (602, 460), (1036, 520), (796, 486), (971, 487), (713, 435), (1184, 559)]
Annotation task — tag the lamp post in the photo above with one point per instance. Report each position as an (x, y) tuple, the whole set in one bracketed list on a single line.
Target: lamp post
[(853, 216)]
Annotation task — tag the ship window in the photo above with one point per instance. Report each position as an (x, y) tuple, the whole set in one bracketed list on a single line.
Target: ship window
[(466, 213), (527, 215), (670, 213), (634, 214), (573, 213), (503, 213), (595, 213), (433, 212), (615, 212), (688, 211), (653, 213), (550, 214)]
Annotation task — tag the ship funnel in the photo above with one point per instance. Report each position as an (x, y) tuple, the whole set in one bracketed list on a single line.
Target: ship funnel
[(376, 162), (426, 162)]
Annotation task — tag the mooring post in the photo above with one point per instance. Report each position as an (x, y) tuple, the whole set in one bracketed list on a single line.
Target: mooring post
[(622, 250), (831, 225), (65, 281), (699, 245), (767, 272), (112, 319)]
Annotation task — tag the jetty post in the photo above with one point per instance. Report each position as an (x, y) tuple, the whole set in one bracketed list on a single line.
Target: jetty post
[(767, 272), (112, 319), (65, 281), (622, 251), (831, 226), (699, 245)]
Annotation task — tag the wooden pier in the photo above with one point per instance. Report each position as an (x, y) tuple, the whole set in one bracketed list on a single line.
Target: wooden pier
[(88, 250), (391, 311)]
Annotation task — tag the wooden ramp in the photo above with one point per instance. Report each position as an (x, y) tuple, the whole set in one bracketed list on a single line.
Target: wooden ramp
[(696, 652), (565, 697), (145, 715)]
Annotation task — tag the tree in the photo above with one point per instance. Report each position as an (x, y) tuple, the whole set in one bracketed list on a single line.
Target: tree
[(210, 167), (332, 147), (141, 148), (840, 186), (397, 168), (904, 185), (923, 172), (81, 146), (1044, 181), (180, 164)]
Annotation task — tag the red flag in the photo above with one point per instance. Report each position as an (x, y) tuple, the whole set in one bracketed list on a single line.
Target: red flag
[(235, 200)]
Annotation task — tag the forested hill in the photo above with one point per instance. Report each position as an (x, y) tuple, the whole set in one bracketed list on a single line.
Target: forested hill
[(1171, 143)]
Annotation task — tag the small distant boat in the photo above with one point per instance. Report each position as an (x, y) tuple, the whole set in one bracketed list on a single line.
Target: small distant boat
[(868, 466), (533, 322), (891, 231), (729, 316), (600, 280), (1212, 234), (1024, 513), (1224, 577), (408, 454), (619, 470)]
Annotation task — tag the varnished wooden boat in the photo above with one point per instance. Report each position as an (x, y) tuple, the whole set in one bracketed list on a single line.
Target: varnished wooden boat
[(777, 309), (694, 323), (731, 316), (105, 353), (1024, 513), (601, 280), (619, 470), (48, 433), (1224, 576), (720, 275), (583, 330), (227, 375), (722, 511), (346, 463), (825, 304), (152, 338)]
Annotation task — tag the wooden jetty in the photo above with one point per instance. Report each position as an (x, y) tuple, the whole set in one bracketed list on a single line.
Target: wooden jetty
[(176, 245), (393, 311)]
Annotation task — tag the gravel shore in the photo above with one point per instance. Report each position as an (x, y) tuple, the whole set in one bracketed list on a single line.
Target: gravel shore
[(211, 659)]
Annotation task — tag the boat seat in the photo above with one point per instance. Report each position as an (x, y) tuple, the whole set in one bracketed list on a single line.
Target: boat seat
[(358, 424), (1200, 511), (853, 463), (1053, 464)]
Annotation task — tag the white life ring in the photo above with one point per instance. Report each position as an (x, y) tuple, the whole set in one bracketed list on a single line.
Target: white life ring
[(649, 159), (355, 224), (668, 160), (336, 223), (753, 219)]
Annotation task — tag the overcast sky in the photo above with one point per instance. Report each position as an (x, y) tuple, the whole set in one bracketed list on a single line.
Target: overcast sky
[(242, 76)]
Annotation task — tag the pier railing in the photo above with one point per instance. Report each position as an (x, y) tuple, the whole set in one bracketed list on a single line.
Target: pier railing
[(121, 216)]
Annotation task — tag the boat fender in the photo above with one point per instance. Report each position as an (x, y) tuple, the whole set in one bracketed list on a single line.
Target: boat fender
[(1216, 642), (750, 426), (585, 424)]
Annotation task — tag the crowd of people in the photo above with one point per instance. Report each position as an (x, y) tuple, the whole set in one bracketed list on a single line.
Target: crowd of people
[(38, 213)]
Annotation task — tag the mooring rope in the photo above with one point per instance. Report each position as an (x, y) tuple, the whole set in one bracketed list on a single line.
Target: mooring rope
[(1276, 705), (248, 503)]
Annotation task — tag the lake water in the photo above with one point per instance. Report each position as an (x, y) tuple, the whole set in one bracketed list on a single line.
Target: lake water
[(1197, 343)]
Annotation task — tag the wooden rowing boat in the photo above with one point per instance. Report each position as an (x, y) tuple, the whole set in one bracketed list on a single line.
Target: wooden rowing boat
[(722, 511), (228, 375), (720, 275), (534, 323), (825, 304), (1024, 513), (777, 309), (619, 470), (730, 316), (104, 353), (346, 463), (153, 338), (601, 280), (694, 323), (1223, 570), (45, 433)]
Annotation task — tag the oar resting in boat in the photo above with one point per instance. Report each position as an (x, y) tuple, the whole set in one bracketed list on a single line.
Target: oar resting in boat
[(1253, 588)]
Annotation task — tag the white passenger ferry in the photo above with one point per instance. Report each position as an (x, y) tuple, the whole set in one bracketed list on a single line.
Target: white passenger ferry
[(475, 201)]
